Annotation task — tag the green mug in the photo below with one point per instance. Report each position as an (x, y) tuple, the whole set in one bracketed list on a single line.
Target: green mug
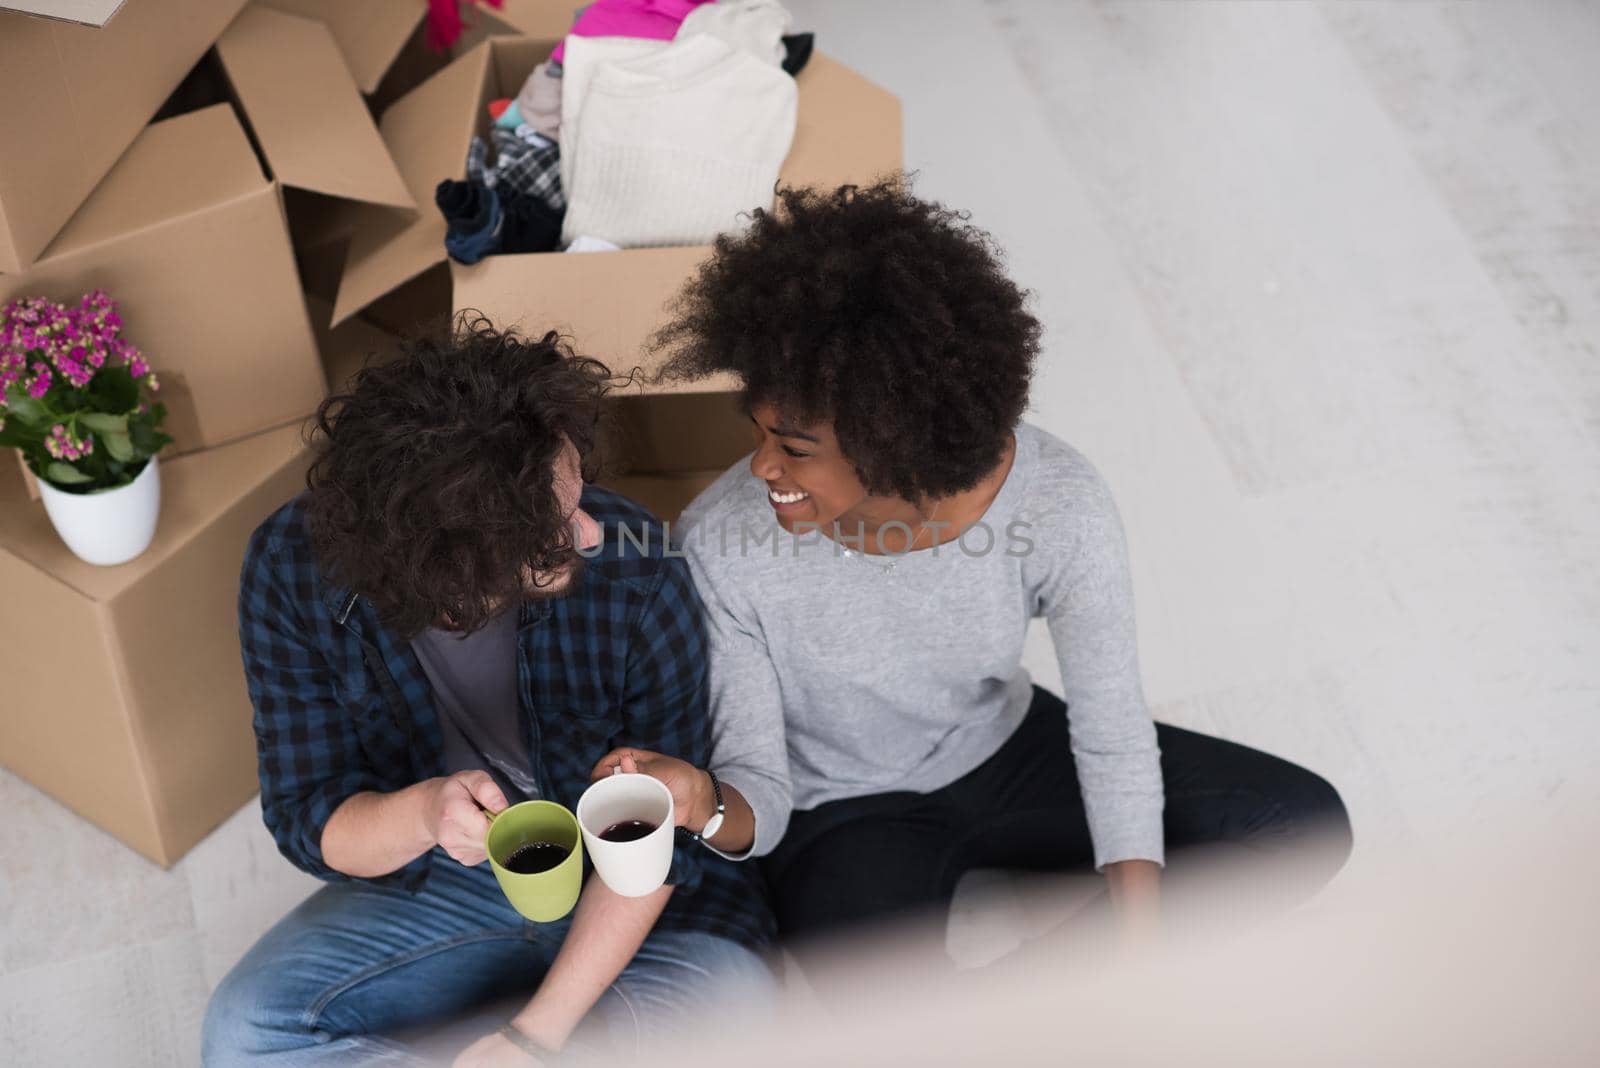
[(541, 896)]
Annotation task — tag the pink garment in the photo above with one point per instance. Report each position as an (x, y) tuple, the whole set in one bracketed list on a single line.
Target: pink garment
[(656, 20), (444, 22)]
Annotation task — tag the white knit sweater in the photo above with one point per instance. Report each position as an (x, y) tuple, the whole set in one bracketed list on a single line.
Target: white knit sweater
[(668, 143)]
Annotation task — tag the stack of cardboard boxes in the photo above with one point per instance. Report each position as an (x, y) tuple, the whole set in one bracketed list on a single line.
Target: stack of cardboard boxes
[(253, 182)]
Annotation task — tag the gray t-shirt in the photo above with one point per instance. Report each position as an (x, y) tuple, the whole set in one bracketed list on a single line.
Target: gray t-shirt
[(474, 680), (835, 675)]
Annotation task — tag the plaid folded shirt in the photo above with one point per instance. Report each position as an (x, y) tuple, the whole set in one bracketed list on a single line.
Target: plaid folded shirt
[(525, 162), (342, 704)]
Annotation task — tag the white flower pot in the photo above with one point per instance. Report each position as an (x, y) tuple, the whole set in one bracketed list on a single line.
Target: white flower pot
[(108, 526)]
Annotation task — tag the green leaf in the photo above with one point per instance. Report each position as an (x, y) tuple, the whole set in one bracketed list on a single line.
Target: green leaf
[(118, 446), (24, 408), (64, 474), (104, 422), (114, 390), (16, 436)]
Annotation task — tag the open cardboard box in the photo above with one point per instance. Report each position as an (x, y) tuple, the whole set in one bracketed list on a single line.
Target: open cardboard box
[(188, 236), (848, 130), (125, 697), (76, 96)]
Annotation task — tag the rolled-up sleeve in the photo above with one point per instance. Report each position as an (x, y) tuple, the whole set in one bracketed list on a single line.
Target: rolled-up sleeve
[(309, 756)]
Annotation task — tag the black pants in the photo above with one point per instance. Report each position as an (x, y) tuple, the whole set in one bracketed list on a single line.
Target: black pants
[(866, 858)]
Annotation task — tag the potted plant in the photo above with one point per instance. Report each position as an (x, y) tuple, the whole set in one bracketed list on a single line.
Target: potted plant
[(76, 399)]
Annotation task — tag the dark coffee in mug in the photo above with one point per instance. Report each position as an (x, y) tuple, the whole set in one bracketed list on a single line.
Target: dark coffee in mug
[(534, 857), (627, 831)]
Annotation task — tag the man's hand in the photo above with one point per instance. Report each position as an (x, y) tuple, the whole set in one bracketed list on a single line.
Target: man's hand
[(455, 822), (692, 801), (495, 1051)]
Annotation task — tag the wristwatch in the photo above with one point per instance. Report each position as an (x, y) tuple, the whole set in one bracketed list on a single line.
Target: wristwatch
[(714, 824)]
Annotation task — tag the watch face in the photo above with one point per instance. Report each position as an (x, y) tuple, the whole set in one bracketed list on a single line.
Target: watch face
[(713, 825)]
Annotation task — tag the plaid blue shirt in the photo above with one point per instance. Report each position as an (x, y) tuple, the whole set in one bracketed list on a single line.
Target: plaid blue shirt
[(342, 704)]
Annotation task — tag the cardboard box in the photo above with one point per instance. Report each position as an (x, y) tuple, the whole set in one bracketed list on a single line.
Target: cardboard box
[(188, 235), (303, 106), (848, 130), (76, 96), (350, 346), (665, 496), (125, 698), (370, 34)]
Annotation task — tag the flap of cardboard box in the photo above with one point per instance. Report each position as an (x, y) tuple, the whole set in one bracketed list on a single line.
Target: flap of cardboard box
[(848, 130), (428, 131), (76, 96), (195, 490), (608, 303), (180, 167), (87, 12), (305, 109), (370, 33)]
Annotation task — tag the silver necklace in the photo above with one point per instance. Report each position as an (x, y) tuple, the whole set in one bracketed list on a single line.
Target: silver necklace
[(889, 565)]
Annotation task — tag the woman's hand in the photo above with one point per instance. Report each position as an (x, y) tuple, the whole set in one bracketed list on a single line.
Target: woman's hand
[(1136, 902), (692, 801)]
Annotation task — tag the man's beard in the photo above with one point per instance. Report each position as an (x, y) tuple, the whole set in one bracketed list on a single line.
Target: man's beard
[(569, 579)]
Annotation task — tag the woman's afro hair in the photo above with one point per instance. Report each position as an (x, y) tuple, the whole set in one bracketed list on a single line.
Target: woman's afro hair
[(889, 316)]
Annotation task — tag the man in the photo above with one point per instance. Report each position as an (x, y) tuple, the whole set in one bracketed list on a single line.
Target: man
[(449, 621)]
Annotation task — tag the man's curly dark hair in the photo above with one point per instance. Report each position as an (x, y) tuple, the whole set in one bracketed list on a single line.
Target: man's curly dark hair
[(887, 315), (432, 486)]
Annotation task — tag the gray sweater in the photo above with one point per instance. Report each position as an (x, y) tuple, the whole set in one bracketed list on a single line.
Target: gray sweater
[(836, 674)]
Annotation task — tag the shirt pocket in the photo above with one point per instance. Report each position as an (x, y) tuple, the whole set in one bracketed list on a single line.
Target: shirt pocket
[(378, 728)]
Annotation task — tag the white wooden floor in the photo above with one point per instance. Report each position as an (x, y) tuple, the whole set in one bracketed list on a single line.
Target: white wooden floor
[(1322, 290)]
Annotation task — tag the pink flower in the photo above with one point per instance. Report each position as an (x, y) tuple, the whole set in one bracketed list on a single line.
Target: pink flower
[(39, 384), (137, 367), (64, 445)]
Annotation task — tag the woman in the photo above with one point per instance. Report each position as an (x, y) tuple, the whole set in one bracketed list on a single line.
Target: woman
[(875, 733)]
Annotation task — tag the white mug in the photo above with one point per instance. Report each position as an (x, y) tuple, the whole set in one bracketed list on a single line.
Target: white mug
[(639, 867)]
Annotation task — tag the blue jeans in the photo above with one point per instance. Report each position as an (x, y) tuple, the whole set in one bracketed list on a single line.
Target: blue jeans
[(334, 980)]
